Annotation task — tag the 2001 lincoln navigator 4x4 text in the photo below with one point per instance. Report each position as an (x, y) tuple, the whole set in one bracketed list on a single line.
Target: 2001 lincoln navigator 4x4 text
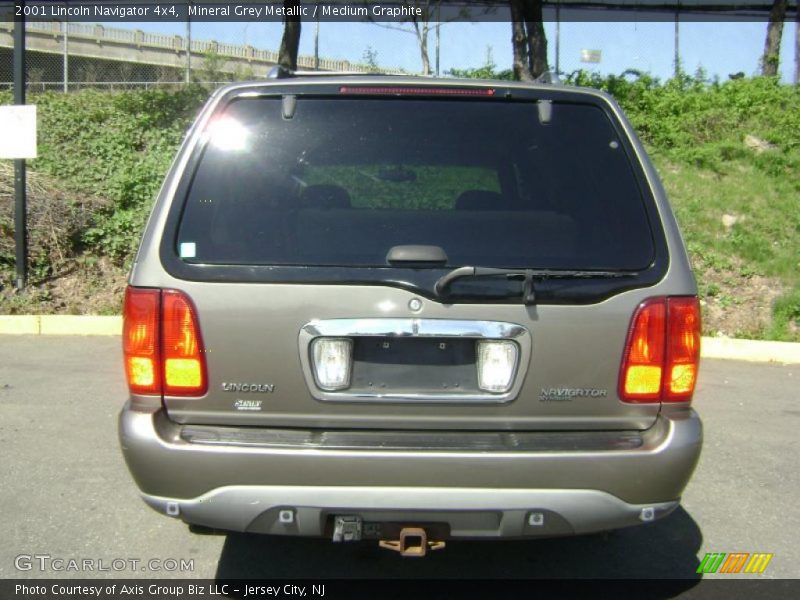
[(410, 310)]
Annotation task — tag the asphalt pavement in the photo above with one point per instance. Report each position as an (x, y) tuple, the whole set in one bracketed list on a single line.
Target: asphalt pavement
[(65, 491)]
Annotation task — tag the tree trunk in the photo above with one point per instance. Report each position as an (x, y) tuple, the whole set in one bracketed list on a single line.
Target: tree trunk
[(519, 41), (290, 42), (528, 39), (772, 45), (537, 42), (422, 41), (426, 61)]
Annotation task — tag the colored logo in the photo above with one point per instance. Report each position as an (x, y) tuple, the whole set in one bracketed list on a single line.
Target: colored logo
[(734, 562)]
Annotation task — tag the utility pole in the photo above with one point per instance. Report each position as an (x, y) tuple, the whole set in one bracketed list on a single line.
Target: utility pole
[(65, 26), (316, 41), (438, 33), (188, 46), (677, 41), (797, 45), (558, 38), (20, 199)]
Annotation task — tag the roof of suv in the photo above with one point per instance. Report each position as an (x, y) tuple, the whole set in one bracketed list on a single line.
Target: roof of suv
[(311, 78)]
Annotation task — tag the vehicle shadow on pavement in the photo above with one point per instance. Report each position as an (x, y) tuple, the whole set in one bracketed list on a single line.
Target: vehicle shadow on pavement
[(666, 549)]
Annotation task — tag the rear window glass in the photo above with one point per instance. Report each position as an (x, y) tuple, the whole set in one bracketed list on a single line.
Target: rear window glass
[(344, 180)]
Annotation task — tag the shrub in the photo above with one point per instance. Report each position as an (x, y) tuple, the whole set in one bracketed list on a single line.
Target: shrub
[(114, 145)]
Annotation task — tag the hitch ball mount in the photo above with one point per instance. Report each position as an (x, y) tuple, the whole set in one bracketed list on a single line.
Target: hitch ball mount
[(413, 542)]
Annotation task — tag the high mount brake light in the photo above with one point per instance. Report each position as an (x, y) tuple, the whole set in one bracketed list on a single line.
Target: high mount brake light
[(162, 344), (662, 351), (415, 91)]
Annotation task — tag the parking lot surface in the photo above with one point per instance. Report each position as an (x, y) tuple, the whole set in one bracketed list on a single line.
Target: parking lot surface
[(65, 491)]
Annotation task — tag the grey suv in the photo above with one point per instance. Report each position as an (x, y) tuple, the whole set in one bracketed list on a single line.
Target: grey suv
[(410, 310)]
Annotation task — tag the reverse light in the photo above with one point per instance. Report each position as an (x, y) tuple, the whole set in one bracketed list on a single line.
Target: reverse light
[(332, 359), (662, 351), (162, 345), (497, 362)]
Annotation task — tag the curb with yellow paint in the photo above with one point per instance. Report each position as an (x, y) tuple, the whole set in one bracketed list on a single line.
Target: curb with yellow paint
[(60, 325), (712, 347), (750, 350)]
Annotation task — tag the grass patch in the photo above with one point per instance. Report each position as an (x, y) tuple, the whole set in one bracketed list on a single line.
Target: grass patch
[(786, 317), (742, 230)]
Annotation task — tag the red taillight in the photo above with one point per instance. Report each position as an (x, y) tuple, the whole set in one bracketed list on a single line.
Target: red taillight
[(375, 90), (140, 340), (162, 345), (182, 347), (662, 351), (683, 349), (644, 356)]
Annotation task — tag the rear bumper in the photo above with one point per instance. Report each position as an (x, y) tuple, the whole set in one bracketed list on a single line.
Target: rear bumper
[(469, 513), (478, 493)]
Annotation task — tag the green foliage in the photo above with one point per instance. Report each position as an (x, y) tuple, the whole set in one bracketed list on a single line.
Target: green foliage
[(704, 123), (699, 121), (211, 69), (786, 322), (370, 58), (698, 131), (728, 147), (484, 72), (117, 146), (487, 71), (764, 240), (420, 187)]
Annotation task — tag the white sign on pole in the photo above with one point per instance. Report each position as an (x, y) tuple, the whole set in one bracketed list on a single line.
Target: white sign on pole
[(18, 131), (591, 56)]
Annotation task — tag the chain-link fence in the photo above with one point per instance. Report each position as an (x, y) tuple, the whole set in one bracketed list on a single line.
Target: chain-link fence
[(70, 56)]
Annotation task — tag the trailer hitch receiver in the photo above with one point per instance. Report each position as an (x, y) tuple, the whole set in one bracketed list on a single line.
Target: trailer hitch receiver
[(413, 542)]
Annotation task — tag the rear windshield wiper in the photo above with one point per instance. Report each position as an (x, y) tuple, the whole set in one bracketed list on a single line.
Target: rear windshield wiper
[(528, 292)]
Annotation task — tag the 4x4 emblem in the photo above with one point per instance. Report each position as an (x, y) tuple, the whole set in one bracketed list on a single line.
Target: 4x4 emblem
[(247, 405)]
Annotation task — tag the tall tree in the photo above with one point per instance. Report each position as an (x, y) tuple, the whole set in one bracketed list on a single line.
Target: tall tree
[(418, 25), (528, 39), (290, 42), (425, 17), (772, 45)]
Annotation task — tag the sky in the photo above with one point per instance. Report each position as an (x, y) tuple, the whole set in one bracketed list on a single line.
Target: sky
[(721, 48)]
